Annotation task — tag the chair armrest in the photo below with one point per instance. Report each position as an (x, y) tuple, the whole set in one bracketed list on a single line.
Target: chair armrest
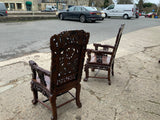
[(40, 71), (37, 68), (105, 47)]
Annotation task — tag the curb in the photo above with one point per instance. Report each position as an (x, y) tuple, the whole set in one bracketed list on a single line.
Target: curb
[(26, 18)]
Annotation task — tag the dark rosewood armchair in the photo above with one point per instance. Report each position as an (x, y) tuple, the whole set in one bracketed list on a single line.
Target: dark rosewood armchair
[(67, 58), (102, 58)]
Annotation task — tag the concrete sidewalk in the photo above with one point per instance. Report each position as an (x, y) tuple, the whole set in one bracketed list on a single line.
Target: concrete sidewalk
[(133, 95)]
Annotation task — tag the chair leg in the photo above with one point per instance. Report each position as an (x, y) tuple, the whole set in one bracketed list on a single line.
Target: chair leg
[(87, 73), (113, 69), (35, 94), (109, 80), (54, 109), (78, 89)]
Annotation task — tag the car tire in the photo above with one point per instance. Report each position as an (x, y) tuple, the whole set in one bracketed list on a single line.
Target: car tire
[(137, 16), (106, 15), (82, 19), (93, 21), (61, 17), (125, 16)]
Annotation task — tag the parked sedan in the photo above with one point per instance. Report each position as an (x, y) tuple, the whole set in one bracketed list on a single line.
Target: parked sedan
[(81, 13), (149, 15)]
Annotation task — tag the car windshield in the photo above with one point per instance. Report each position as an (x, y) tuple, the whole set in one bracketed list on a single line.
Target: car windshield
[(90, 8), (2, 6), (94, 8), (110, 7)]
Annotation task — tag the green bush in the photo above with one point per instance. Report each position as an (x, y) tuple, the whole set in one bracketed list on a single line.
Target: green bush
[(147, 5)]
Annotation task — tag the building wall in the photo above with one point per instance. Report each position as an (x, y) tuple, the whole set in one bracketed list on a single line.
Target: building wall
[(20, 5), (63, 4), (78, 2)]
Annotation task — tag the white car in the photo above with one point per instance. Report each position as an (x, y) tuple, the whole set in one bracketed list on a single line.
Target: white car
[(126, 11)]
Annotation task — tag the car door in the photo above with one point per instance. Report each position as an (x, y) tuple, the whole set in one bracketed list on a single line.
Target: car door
[(77, 12), (69, 13), (111, 10), (119, 10)]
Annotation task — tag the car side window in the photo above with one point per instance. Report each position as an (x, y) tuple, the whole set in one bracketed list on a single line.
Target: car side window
[(110, 7), (71, 8), (77, 9), (83, 9)]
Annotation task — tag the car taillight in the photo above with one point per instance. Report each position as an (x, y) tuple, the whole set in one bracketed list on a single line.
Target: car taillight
[(92, 13), (132, 9), (6, 11)]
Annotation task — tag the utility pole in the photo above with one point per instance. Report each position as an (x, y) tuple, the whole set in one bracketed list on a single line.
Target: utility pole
[(57, 4)]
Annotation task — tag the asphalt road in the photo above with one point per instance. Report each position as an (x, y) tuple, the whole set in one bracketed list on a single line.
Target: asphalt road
[(21, 38)]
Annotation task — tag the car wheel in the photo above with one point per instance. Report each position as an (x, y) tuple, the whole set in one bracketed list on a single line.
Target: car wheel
[(106, 15), (93, 21), (125, 16), (61, 17), (137, 16), (82, 18)]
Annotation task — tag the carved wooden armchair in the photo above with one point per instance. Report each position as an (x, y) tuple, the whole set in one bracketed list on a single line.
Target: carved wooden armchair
[(102, 59), (67, 58)]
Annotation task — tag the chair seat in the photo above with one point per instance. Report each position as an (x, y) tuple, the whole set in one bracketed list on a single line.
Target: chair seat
[(96, 59)]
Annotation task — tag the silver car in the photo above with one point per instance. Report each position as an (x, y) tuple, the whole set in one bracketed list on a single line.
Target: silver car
[(3, 11)]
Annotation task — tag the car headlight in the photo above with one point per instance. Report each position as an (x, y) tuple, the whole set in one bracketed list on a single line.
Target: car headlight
[(56, 13)]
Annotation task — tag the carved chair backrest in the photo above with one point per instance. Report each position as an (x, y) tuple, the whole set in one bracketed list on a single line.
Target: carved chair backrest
[(118, 38), (68, 52)]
